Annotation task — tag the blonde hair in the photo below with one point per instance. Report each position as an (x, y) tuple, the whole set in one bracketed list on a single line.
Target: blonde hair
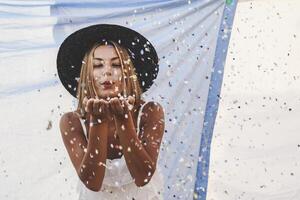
[(86, 87)]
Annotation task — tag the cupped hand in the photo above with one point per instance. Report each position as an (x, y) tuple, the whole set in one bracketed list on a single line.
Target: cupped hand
[(121, 106), (97, 108)]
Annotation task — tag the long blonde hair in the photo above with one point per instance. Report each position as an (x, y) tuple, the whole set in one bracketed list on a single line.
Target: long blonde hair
[(86, 87)]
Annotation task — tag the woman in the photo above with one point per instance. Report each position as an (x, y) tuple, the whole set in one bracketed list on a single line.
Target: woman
[(114, 136)]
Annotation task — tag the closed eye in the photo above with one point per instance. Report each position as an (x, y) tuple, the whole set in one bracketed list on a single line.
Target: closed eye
[(98, 65), (116, 65)]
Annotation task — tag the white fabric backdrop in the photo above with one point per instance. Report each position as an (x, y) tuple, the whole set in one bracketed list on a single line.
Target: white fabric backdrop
[(34, 163), (255, 150)]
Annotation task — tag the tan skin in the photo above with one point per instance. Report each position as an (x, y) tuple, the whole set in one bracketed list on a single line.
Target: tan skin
[(117, 128)]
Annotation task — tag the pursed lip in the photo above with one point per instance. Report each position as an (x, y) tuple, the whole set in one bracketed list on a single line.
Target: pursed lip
[(107, 83)]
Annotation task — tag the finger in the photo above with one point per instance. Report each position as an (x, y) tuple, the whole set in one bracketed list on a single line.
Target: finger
[(121, 98), (102, 106), (119, 106), (128, 107), (90, 105), (96, 107), (110, 113), (85, 107), (106, 103), (84, 104), (85, 99), (107, 109), (131, 100), (112, 105)]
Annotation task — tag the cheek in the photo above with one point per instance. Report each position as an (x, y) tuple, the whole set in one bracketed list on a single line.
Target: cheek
[(118, 75), (97, 73)]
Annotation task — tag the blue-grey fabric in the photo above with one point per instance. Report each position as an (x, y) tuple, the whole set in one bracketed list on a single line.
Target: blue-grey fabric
[(33, 160)]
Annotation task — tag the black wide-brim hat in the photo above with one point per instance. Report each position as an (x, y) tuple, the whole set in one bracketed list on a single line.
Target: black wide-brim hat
[(75, 46)]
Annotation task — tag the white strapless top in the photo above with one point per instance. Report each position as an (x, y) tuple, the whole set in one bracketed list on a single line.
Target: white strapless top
[(118, 182)]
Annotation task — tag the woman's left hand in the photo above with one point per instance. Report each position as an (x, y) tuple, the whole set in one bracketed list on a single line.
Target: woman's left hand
[(121, 106)]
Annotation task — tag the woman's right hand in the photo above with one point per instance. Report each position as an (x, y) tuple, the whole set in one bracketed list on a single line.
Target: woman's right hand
[(98, 109)]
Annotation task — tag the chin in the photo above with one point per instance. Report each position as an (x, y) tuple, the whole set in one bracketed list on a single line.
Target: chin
[(108, 93)]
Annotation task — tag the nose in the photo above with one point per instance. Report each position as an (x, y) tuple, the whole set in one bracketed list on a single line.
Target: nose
[(107, 70), (107, 73)]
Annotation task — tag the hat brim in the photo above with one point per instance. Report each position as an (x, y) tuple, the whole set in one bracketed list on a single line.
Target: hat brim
[(74, 47)]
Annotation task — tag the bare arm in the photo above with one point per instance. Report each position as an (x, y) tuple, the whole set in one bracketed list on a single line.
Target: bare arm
[(88, 157), (92, 168), (141, 158)]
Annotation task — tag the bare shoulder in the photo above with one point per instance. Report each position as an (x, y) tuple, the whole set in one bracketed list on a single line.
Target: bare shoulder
[(153, 107), (69, 121), (152, 111), (67, 118)]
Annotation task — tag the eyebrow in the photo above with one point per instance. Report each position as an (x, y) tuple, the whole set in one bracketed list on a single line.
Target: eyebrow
[(102, 59)]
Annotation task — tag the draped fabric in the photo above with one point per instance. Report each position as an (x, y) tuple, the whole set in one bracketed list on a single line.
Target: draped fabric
[(33, 160)]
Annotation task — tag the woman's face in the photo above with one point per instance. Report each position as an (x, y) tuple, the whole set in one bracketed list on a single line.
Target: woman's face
[(107, 71)]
